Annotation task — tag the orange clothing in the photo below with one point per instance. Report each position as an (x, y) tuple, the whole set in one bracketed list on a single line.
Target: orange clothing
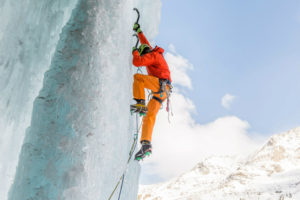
[(141, 82), (154, 61), (157, 68)]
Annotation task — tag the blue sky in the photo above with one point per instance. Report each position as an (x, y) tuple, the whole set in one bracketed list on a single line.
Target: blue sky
[(246, 53), (250, 49)]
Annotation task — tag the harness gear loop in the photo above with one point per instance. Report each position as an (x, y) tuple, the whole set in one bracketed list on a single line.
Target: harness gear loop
[(165, 86), (163, 83)]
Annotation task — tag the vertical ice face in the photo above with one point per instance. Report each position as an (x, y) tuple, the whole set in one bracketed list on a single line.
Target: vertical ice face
[(81, 130), (29, 31)]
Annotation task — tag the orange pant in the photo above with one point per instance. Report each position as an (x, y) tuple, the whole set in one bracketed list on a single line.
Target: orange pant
[(139, 84)]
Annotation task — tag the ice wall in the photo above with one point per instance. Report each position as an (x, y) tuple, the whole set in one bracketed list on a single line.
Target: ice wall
[(81, 130), (29, 31)]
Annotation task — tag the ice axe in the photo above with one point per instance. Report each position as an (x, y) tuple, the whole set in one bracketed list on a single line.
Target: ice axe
[(137, 40), (137, 21), (138, 18)]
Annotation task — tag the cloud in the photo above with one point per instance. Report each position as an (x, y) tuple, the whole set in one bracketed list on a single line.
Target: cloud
[(178, 67), (227, 100), (179, 146), (172, 48)]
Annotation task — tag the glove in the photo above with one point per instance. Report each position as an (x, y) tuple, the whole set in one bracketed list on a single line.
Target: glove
[(133, 49), (136, 28)]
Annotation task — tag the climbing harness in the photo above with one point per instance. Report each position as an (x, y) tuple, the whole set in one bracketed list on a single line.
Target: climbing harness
[(165, 86), (134, 144)]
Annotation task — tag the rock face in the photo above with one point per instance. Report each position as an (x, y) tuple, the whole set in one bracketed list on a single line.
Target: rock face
[(272, 172)]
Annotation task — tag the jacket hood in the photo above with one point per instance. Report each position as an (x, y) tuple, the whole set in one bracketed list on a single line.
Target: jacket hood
[(158, 49)]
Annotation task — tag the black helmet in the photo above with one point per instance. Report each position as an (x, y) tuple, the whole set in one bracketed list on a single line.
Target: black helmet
[(143, 49)]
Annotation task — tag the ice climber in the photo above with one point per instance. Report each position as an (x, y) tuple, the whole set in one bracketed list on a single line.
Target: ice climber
[(158, 81)]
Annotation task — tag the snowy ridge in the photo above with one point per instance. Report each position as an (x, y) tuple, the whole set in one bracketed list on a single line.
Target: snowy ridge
[(272, 172)]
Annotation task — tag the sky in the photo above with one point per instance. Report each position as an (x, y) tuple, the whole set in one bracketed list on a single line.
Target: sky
[(236, 69)]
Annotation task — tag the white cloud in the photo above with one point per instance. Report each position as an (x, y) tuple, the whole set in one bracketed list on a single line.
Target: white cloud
[(227, 100), (178, 146), (172, 48), (178, 67)]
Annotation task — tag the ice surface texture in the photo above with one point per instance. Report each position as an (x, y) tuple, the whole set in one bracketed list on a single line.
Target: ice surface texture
[(81, 130), (29, 31)]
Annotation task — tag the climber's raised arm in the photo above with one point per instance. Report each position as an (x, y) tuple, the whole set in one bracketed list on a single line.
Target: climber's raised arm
[(143, 39)]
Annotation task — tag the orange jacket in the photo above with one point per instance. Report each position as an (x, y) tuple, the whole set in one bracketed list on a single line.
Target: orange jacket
[(154, 61)]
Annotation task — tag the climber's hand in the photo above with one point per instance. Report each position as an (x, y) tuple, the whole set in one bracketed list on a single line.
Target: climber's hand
[(134, 48), (136, 27)]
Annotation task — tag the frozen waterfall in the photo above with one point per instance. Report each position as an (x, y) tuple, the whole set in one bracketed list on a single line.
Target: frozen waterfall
[(81, 131), (29, 31)]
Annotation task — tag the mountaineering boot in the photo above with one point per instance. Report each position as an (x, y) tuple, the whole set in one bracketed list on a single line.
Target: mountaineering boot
[(145, 150), (139, 107)]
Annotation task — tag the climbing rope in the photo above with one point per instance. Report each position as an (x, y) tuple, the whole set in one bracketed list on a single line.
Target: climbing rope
[(134, 144)]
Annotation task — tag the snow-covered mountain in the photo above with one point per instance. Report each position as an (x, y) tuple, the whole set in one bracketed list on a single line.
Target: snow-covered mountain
[(272, 172)]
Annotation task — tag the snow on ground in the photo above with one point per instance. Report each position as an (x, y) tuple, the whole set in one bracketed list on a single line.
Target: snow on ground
[(270, 173)]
